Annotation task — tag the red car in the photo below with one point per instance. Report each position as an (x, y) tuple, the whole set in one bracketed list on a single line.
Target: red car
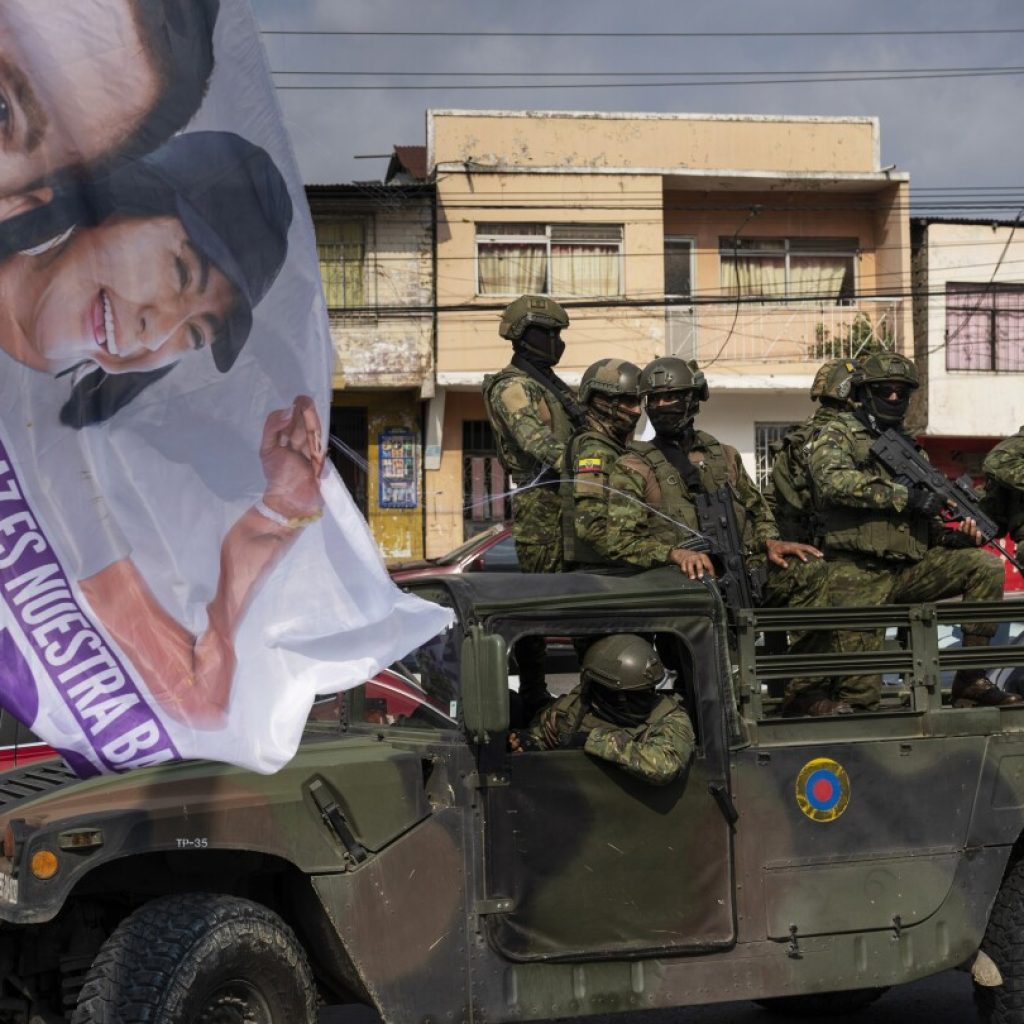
[(493, 550)]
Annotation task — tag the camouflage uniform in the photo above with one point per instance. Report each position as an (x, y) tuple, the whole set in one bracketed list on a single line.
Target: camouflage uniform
[(531, 428), (790, 494), (591, 454), (651, 512), (656, 751), (1004, 490), (878, 554)]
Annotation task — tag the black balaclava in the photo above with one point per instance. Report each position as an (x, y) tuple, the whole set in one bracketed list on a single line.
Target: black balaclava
[(543, 346), (618, 420), (674, 420), (888, 412), (629, 709)]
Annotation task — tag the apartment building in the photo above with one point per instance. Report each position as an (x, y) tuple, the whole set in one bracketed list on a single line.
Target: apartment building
[(969, 332), (759, 246), (375, 242)]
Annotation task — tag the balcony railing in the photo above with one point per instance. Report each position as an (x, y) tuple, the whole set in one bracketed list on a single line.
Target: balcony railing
[(782, 333)]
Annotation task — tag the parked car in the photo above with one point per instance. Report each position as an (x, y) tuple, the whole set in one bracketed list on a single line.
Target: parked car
[(492, 550)]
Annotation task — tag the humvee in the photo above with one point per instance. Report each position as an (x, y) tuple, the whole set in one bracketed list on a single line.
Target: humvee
[(406, 861)]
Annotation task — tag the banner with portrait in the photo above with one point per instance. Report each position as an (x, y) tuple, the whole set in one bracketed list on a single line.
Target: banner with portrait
[(181, 569)]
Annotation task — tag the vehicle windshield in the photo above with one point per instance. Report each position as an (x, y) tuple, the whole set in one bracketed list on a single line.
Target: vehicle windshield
[(456, 554), (420, 691)]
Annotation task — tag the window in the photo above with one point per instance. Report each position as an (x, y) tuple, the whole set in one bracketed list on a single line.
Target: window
[(341, 247), (815, 269), (549, 259), (679, 267), (484, 485), (985, 327), (765, 435)]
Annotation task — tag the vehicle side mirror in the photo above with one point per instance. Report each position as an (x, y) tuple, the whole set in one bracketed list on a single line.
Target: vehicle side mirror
[(484, 683)]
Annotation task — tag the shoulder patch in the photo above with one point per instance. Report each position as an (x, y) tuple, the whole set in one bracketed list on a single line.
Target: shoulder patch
[(590, 464)]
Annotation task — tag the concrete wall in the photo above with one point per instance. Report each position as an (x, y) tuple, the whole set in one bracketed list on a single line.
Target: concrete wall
[(588, 140), (963, 403)]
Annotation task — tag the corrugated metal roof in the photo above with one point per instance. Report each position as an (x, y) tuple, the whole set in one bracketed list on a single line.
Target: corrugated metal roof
[(412, 160)]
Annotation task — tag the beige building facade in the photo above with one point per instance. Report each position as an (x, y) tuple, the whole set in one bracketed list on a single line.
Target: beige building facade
[(759, 246), (375, 244)]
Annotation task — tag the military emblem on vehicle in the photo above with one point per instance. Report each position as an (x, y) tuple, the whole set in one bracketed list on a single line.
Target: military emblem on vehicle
[(823, 789)]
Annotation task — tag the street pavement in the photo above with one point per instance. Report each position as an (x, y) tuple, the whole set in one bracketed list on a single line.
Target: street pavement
[(945, 999)]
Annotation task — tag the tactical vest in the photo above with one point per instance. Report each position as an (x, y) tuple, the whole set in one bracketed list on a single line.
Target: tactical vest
[(677, 502), (578, 551), (521, 467), (791, 501), (879, 533)]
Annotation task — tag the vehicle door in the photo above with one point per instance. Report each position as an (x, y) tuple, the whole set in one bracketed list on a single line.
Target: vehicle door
[(591, 862)]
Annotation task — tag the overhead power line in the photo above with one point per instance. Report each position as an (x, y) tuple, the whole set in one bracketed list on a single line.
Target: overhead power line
[(470, 34), (635, 74), (809, 80)]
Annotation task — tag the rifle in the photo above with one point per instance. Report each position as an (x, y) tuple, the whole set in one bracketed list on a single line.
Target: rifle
[(716, 519), (902, 458)]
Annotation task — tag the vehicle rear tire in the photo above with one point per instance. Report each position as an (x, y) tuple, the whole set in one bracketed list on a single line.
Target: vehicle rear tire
[(1004, 942), (199, 958), (822, 1004)]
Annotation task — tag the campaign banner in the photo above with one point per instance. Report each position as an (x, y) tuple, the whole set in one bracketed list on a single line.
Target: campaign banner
[(181, 569)]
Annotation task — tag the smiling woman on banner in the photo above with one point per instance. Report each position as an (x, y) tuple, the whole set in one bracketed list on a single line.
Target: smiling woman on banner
[(167, 257)]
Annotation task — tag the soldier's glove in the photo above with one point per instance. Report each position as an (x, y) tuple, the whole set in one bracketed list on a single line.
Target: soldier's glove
[(573, 741), (956, 539), (924, 503)]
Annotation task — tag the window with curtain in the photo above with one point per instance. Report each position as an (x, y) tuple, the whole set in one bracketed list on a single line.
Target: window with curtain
[(985, 327), (341, 247), (809, 269), (578, 260)]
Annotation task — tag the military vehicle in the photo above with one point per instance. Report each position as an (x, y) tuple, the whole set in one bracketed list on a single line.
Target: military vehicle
[(405, 860)]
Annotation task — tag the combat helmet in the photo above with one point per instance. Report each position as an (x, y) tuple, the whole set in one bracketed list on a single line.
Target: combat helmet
[(611, 377), (528, 311), (669, 373), (835, 380), (622, 663), (888, 366)]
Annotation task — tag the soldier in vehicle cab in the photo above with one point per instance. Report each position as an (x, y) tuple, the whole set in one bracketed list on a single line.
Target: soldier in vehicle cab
[(615, 714)]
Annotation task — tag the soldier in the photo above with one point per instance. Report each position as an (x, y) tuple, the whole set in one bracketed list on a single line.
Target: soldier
[(885, 540), (533, 414), (1004, 489), (610, 395), (616, 714), (790, 497), (652, 518)]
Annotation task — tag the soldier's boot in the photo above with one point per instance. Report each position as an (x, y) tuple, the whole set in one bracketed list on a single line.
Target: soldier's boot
[(972, 688)]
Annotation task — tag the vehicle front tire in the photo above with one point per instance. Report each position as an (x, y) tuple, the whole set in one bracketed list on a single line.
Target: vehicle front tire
[(1004, 943), (199, 958), (822, 1004)]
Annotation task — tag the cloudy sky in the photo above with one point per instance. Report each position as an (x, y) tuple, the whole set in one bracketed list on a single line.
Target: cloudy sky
[(948, 132)]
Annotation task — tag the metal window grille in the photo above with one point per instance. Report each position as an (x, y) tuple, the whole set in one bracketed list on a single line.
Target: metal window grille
[(985, 327), (765, 434), (341, 248), (484, 483), (349, 450)]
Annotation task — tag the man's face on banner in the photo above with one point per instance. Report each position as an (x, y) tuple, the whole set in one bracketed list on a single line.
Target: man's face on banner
[(128, 295), (75, 81)]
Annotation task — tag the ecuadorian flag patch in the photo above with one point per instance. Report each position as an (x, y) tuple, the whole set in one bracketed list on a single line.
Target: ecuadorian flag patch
[(594, 465)]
